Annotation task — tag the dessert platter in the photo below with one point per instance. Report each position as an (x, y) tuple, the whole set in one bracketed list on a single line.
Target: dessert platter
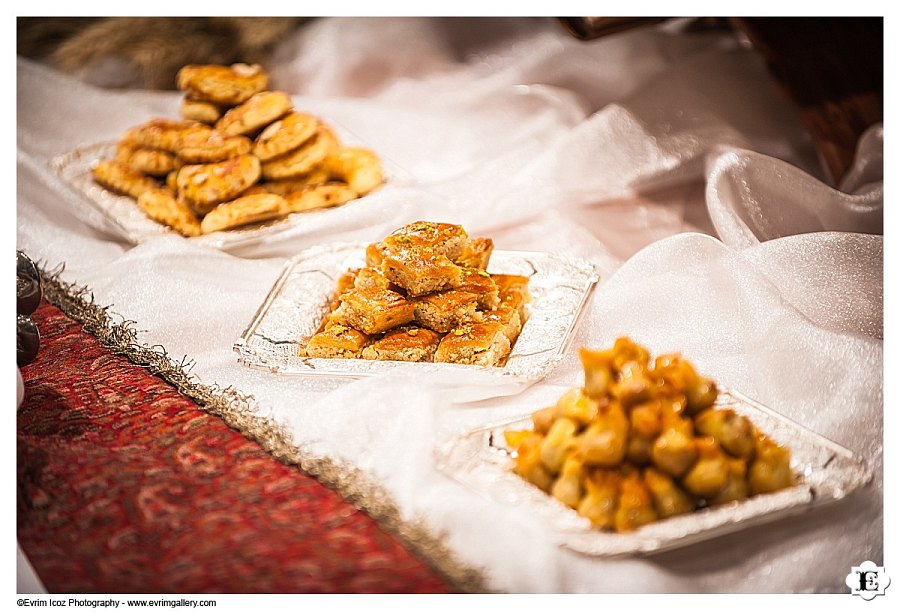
[(425, 294), (241, 162), (648, 456)]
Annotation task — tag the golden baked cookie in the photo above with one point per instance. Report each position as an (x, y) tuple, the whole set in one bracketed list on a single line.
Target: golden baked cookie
[(285, 186), (301, 160), (254, 189), (317, 197), (162, 206), (213, 146), (244, 210), (163, 134), (222, 85), (145, 159), (357, 166), (206, 185), (121, 178), (290, 132), (200, 111), (258, 111)]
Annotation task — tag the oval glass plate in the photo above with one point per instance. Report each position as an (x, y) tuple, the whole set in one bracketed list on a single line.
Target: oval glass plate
[(299, 300), (824, 472), (123, 217)]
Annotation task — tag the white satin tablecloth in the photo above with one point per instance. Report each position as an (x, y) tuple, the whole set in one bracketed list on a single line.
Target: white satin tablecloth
[(665, 157)]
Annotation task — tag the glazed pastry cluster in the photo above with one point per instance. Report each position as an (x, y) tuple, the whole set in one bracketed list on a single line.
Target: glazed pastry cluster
[(642, 441), (240, 154), (424, 295)]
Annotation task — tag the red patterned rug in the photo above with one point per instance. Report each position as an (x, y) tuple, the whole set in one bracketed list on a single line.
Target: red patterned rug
[(127, 486)]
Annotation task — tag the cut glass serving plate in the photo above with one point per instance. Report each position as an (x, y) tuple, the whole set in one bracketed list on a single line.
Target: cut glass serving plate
[(122, 215), (824, 472), (299, 300)]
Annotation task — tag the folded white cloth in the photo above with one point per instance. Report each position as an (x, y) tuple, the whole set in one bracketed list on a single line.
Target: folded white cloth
[(665, 157)]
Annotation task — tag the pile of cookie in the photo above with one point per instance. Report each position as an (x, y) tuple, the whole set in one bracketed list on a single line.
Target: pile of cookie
[(424, 295), (240, 154), (643, 441)]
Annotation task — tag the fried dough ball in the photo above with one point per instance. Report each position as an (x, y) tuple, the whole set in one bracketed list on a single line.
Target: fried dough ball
[(632, 385), (734, 432), (668, 498), (674, 451), (528, 462), (601, 498), (543, 419), (708, 476), (635, 504), (646, 419), (639, 449), (560, 441), (626, 351), (577, 406), (736, 487), (605, 440), (598, 372), (771, 468), (567, 487), (679, 377)]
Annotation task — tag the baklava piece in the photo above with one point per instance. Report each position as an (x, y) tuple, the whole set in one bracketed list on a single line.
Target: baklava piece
[(477, 253), (374, 311), (374, 255), (445, 310), (420, 272), (336, 341), (508, 316), (513, 291), (372, 278), (404, 344), (344, 283), (477, 344), (507, 282), (448, 240), (479, 283)]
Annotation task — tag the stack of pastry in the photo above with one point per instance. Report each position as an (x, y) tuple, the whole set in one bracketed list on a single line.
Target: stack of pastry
[(424, 295), (642, 441), (240, 155)]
